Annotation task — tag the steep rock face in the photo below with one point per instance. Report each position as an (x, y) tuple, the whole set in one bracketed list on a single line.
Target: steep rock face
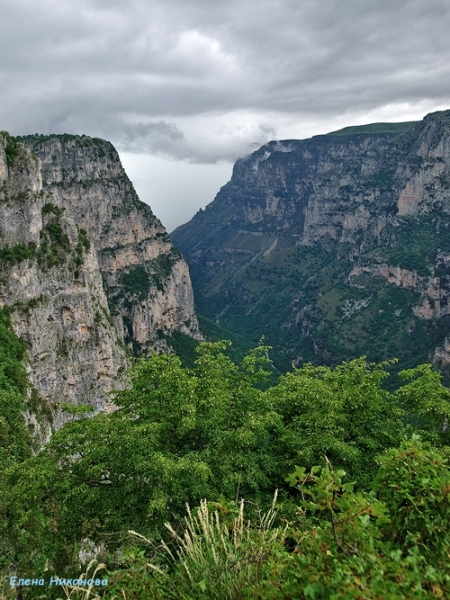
[(84, 268), (334, 246), (51, 283), (146, 279)]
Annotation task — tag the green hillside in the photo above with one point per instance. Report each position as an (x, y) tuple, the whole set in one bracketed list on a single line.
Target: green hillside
[(375, 128)]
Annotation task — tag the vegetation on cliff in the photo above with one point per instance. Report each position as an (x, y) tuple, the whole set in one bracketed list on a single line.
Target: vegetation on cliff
[(375, 128), (12, 147), (145, 277), (15, 439)]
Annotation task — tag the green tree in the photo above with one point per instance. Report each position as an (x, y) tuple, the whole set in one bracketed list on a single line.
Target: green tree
[(343, 413), (427, 403), (178, 435)]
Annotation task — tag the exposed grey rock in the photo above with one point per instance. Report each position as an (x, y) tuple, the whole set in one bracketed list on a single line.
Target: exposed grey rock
[(147, 281), (74, 228)]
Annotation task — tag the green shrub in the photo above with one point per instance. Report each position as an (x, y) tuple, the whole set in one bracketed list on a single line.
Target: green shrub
[(55, 245), (18, 253), (12, 148), (51, 208), (137, 282), (414, 483)]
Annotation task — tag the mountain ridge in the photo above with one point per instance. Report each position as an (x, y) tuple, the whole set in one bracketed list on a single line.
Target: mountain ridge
[(275, 252)]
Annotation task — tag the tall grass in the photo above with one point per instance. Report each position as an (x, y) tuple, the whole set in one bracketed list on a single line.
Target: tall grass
[(74, 592), (213, 559)]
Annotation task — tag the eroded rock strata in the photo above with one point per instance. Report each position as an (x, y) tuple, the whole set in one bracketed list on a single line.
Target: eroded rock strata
[(147, 281), (86, 268)]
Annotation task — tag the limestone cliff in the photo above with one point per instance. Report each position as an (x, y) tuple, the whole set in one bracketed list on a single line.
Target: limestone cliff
[(76, 242), (146, 280), (334, 246)]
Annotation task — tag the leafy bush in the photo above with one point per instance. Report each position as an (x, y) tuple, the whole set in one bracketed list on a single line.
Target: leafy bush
[(55, 245), (12, 148), (181, 435), (137, 282), (343, 545), (52, 208), (17, 253), (414, 483)]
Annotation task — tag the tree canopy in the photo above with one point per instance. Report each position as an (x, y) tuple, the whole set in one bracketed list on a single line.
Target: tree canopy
[(357, 488)]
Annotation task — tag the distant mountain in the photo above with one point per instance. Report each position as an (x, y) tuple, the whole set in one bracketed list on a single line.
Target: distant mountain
[(333, 247)]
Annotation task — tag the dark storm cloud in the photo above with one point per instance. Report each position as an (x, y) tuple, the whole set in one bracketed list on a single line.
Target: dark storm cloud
[(201, 81)]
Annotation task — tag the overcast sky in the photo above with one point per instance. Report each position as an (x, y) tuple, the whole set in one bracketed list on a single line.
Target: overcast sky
[(185, 87)]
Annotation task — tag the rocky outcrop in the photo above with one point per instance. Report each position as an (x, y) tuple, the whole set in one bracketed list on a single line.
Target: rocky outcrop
[(332, 247), (435, 297), (85, 268), (146, 280), (51, 283)]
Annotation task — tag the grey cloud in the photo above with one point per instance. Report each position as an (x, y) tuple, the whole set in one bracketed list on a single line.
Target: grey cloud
[(149, 138), (152, 75), (166, 139)]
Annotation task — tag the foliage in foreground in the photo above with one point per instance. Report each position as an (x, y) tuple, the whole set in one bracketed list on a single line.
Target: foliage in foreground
[(181, 435), (343, 544)]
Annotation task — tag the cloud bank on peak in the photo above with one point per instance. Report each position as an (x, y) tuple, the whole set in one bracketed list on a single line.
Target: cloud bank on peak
[(211, 139)]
